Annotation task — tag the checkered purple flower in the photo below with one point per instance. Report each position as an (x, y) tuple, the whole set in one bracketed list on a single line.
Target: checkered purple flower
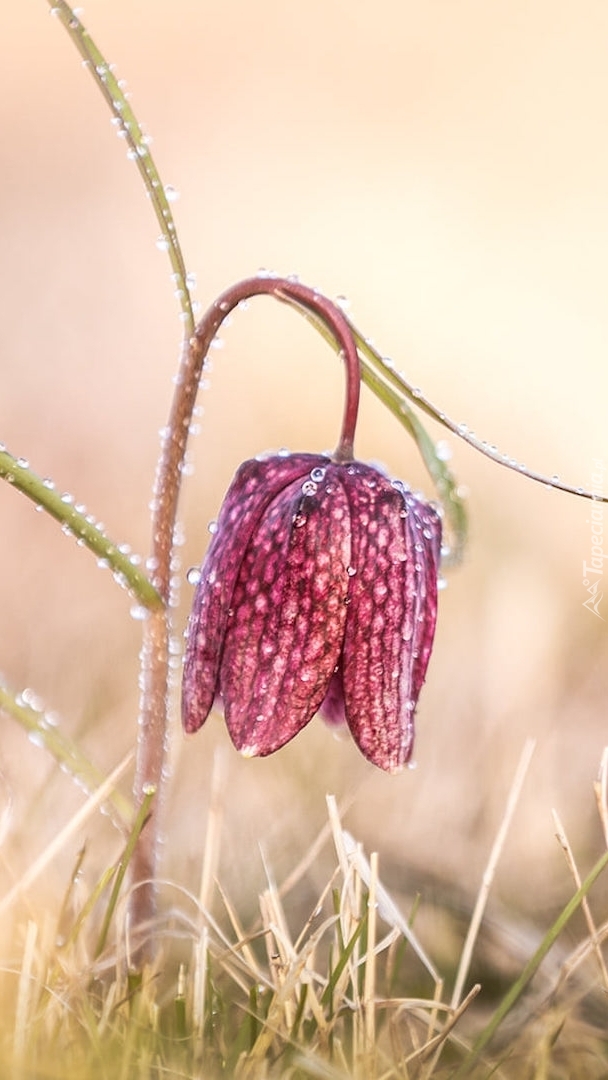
[(318, 594)]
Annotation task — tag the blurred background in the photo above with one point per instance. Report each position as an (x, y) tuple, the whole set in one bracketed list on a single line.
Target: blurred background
[(445, 167)]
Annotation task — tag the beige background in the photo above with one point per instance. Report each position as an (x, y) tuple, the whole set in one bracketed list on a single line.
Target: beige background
[(443, 165)]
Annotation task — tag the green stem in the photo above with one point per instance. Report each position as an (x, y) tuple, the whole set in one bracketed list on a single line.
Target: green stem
[(77, 523), (68, 756), (128, 127)]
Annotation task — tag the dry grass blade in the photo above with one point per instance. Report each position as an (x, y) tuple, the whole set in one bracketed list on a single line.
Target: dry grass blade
[(387, 908), (213, 833), (600, 788), (37, 867), (24, 994), (594, 939), (490, 870)]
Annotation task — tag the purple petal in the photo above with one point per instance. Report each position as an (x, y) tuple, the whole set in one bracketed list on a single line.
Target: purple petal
[(391, 615), (284, 639), (332, 706), (253, 488)]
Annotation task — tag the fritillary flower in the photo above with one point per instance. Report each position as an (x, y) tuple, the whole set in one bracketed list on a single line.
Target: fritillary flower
[(318, 593)]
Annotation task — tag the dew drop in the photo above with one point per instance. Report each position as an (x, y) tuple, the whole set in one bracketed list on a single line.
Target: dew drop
[(138, 612), (443, 450), (309, 488), (32, 700), (317, 475), (162, 243), (212, 527), (351, 571), (171, 193)]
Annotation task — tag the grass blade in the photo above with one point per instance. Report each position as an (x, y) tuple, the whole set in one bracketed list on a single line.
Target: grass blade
[(75, 522), (530, 969), (66, 753), (129, 128), (142, 816)]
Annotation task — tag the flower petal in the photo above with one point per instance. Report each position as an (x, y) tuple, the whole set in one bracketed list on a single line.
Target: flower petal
[(284, 639), (253, 488), (332, 706), (391, 616)]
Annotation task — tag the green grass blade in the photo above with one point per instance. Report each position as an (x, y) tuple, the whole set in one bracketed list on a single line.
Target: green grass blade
[(75, 522), (128, 127), (530, 969), (66, 753), (142, 816), (344, 957)]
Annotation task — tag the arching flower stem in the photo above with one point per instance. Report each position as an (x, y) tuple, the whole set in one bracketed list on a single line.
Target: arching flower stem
[(155, 649)]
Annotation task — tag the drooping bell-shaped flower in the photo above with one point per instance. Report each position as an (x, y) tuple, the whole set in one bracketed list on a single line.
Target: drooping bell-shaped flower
[(318, 591)]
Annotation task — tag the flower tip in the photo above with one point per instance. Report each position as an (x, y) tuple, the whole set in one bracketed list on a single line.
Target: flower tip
[(249, 751)]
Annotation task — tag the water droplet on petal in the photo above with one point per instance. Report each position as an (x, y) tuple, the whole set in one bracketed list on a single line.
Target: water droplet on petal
[(212, 527)]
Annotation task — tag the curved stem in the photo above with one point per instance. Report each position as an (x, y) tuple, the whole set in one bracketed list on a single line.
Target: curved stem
[(155, 651)]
